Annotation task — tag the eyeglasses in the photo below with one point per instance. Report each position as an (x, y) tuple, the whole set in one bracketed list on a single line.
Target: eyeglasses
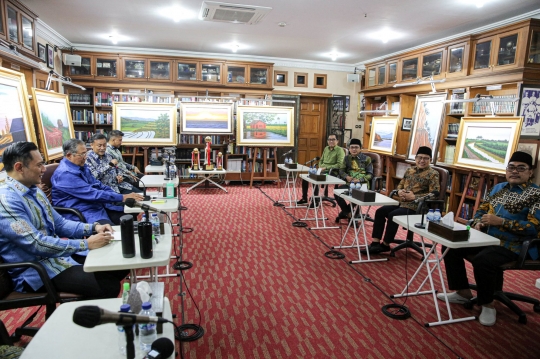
[(354, 147), (422, 158), (332, 139), (81, 154), (516, 168)]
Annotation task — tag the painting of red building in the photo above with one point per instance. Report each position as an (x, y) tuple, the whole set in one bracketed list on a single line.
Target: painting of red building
[(258, 125)]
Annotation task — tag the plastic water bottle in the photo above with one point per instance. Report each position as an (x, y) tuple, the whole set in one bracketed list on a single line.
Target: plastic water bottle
[(125, 308), (437, 216), (155, 226), (358, 185), (143, 218), (147, 332), (125, 293), (430, 216), (352, 186), (172, 171)]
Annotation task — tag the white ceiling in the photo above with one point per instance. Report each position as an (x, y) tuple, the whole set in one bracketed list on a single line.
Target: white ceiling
[(315, 28)]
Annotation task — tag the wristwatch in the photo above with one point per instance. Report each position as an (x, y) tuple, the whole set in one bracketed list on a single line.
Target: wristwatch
[(94, 225)]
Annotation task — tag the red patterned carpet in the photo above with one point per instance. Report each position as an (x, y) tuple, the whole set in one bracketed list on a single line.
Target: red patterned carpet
[(266, 290)]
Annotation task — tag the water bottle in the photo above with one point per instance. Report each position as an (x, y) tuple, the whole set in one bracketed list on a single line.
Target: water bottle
[(437, 216), (147, 332), (430, 216), (358, 185), (352, 186), (125, 293), (172, 171), (143, 218), (125, 308), (155, 226)]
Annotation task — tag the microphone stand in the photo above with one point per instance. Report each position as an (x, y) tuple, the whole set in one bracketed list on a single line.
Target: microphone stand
[(421, 207), (130, 346)]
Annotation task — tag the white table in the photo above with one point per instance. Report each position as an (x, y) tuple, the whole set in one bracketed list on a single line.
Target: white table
[(318, 207), (289, 191), (155, 169), (60, 338), (380, 200), (110, 257), (207, 178), (156, 181), (476, 239), (170, 205)]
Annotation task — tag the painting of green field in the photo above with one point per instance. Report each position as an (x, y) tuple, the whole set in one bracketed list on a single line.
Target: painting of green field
[(486, 146), (265, 125), (145, 124)]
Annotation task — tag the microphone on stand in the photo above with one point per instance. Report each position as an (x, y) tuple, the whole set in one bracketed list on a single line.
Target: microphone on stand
[(312, 160), (421, 201), (89, 316), (130, 202), (161, 348), (287, 153), (125, 173)]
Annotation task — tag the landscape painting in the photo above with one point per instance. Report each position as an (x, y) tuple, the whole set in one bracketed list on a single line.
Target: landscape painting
[(146, 123), (55, 123), (487, 144), (382, 137), (207, 118), (265, 126), (15, 114)]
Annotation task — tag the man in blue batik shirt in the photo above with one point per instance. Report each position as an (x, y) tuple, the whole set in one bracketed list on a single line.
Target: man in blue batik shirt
[(73, 186), (99, 163), (30, 230)]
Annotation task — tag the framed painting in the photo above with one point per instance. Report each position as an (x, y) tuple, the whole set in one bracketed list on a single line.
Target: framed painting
[(406, 125), (487, 143), (339, 106), (50, 56), (529, 146), (265, 126), (146, 123), (529, 109), (55, 125), (15, 114), (207, 118), (41, 52), (427, 120), (382, 137)]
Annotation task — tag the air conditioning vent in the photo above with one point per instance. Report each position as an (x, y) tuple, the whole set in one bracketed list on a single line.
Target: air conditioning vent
[(233, 13)]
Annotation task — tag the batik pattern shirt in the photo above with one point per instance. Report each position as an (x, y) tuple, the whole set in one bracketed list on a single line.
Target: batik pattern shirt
[(74, 187), (519, 207), (117, 155), (30, 230), (358, 167), (421, 182), (103, 172)]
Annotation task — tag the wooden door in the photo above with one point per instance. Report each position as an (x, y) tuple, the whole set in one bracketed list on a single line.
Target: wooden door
[(311, 128)]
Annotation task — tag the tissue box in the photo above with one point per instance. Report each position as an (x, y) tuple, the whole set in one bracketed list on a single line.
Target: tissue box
[(447, 232), (291, 166), (364, 196), (317, 177)]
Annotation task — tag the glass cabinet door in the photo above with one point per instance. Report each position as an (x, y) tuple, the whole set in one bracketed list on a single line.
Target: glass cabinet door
[(160, 70), (409, 71), (134, 69), (482, 55), (106, 67), (2, 31), (392, 72), (258, 75), (371, 77), (236, 74), (27, 33), (84, 70), (381, 75), (432, 64), (187, 71), (507, 50), (211, 73), (534, 48), (13, 25), (455, 59)]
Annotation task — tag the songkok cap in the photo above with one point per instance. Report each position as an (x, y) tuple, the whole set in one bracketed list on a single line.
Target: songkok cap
[(424, 150), (355, 141), (520, 156)]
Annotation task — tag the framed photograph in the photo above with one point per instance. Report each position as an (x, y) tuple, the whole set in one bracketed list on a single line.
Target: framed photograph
[(347, 103), (55, 125), (42, 52), (206, 118), (146, 123), (15, 113), (427, 120), (529, 109), (382, 137), (487, 143), (265, 126), (529, 146), (406, 124), (50, 56)]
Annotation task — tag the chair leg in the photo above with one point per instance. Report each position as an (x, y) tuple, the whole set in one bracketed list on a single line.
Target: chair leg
[(24, 329), (331, 200)]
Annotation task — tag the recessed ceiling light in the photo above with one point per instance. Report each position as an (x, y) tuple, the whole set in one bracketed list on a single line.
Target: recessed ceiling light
[(282, 24), (114, 39), (176, 13), (477, 3), (333, 56), (385, 35)]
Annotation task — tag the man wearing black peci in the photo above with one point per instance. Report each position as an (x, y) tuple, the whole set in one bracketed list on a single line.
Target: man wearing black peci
[(417, 182)]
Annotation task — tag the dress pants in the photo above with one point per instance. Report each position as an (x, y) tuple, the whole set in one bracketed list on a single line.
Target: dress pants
[(383, 215), (345, 208), (485, 261), (305, 187)]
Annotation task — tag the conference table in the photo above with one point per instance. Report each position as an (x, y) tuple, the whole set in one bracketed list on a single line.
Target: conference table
[(289, 190), (432, 261), (60, 338), (380, 200), (318, 206), (155, 169)]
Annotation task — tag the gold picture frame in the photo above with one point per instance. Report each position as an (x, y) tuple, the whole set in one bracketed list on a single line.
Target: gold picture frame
[(275, 126), (383, 133), (206, 118)]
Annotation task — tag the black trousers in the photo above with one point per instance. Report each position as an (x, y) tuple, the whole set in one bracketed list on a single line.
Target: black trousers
[(345, 208), (384, 215), (485, 262), (305, 187)]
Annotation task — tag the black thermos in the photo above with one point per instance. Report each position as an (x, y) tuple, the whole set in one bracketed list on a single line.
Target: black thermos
[(145, 239), (128, 238)]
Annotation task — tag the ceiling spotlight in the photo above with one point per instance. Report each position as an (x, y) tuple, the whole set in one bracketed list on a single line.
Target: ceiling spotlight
[(333, 56), (235, 48), (113, 39), (385, 35), (282, 24)]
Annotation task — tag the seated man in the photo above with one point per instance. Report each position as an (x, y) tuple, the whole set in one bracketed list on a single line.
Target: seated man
[(418, 181), (30, 230), (74, 186), (331, 158), (356, 168), (131, 173), (98, 162), (511, 213)]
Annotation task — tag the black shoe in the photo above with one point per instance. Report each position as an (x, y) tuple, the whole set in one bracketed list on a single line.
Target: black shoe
[(372, 247), (301, 202), (342, 215), (314, 203), (380, 249)]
